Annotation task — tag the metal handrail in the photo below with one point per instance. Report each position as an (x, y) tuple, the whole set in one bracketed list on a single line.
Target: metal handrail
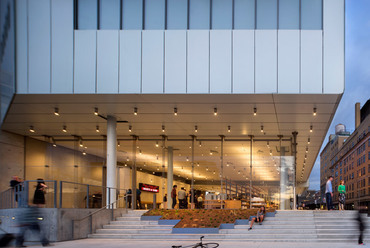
[(109, 206)]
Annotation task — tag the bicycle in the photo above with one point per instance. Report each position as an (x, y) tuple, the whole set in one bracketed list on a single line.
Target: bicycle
[(199, 245)]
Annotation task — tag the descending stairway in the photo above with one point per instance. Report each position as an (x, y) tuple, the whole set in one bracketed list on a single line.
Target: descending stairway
[(286, 226)]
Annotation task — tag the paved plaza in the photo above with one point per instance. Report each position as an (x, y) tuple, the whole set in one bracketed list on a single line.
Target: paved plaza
[(106, 243)]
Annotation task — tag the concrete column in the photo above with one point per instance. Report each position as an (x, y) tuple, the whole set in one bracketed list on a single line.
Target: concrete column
[(284, 199), (111, 158), (251, 170), (133, 174), (294, 151), (169, 176)]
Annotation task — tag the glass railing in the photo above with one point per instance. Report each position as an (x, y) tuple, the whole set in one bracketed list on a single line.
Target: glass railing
[(61, 194)]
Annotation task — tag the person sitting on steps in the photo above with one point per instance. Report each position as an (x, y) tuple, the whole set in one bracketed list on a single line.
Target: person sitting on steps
[(260, 216)]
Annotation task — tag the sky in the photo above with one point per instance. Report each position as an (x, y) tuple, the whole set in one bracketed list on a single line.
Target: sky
[(357, 59)]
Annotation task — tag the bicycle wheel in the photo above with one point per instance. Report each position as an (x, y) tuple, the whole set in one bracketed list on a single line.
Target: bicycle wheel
[(207, 245)]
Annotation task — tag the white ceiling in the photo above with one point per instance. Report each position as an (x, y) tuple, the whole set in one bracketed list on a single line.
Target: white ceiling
[(279, 115)]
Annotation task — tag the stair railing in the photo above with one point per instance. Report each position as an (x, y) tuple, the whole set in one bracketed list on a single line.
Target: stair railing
[(112, 206)]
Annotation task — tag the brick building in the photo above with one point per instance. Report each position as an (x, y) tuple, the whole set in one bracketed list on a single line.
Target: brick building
[(347, 157)]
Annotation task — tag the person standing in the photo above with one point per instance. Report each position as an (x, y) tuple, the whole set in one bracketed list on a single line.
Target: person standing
[(40, 191), (165, 201), (182, 197), (329, 193), (342, 195), (138, 198), (173, 196)]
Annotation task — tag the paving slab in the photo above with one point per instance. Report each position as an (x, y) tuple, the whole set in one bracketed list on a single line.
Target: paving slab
[(94, 243)]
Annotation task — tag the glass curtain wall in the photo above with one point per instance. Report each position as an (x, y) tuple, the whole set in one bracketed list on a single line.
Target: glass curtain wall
[(254, 171)]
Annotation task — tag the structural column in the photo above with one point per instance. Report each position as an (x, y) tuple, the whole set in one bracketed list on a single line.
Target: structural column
[(169, 176), (133, 174), (111, 159), (250, 170), (284, 199), (294, 151)]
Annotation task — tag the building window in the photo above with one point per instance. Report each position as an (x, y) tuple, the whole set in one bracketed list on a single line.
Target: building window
[(222, 14), (154, 14), (199, 14), (132, 14), (288, 14), (87, 14), (244, 14), (266, 14), (177, 14), (109, 11)]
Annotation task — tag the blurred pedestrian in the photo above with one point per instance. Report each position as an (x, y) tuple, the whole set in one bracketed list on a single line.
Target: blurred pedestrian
[(329, 193), (342, 195), (29, 219), (361, 227), (40, 191)]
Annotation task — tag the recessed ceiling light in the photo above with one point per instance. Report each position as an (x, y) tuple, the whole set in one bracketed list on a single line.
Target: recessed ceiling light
[(314, 111), (96, 111), (32, 130), (97, 129), (255, 111), (64, 129), (135, 111), (175, 111), (215, 111)]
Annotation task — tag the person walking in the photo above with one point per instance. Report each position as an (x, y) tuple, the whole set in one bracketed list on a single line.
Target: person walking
[(29, 220), (329, 193), (173, 196), (342, 195)]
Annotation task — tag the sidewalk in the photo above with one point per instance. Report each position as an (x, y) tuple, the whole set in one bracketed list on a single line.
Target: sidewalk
[(98, 243)]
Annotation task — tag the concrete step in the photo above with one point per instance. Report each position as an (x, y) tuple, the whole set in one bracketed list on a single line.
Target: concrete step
[(289, 227), (113, 226), (133, 231), (268, 231), (129, 218), (143, 222), (337, 231), (287, 222), (251, 235), (330, 226)]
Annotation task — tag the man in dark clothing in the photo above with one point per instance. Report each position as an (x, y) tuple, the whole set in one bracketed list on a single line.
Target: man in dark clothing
[(129, 197), (138, 198), (173, 196)]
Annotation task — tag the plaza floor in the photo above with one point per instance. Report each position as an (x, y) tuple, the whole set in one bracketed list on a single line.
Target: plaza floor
[(99, 243)]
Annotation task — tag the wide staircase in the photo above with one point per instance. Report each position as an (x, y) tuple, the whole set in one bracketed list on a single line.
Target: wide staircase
[(286, 226)]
